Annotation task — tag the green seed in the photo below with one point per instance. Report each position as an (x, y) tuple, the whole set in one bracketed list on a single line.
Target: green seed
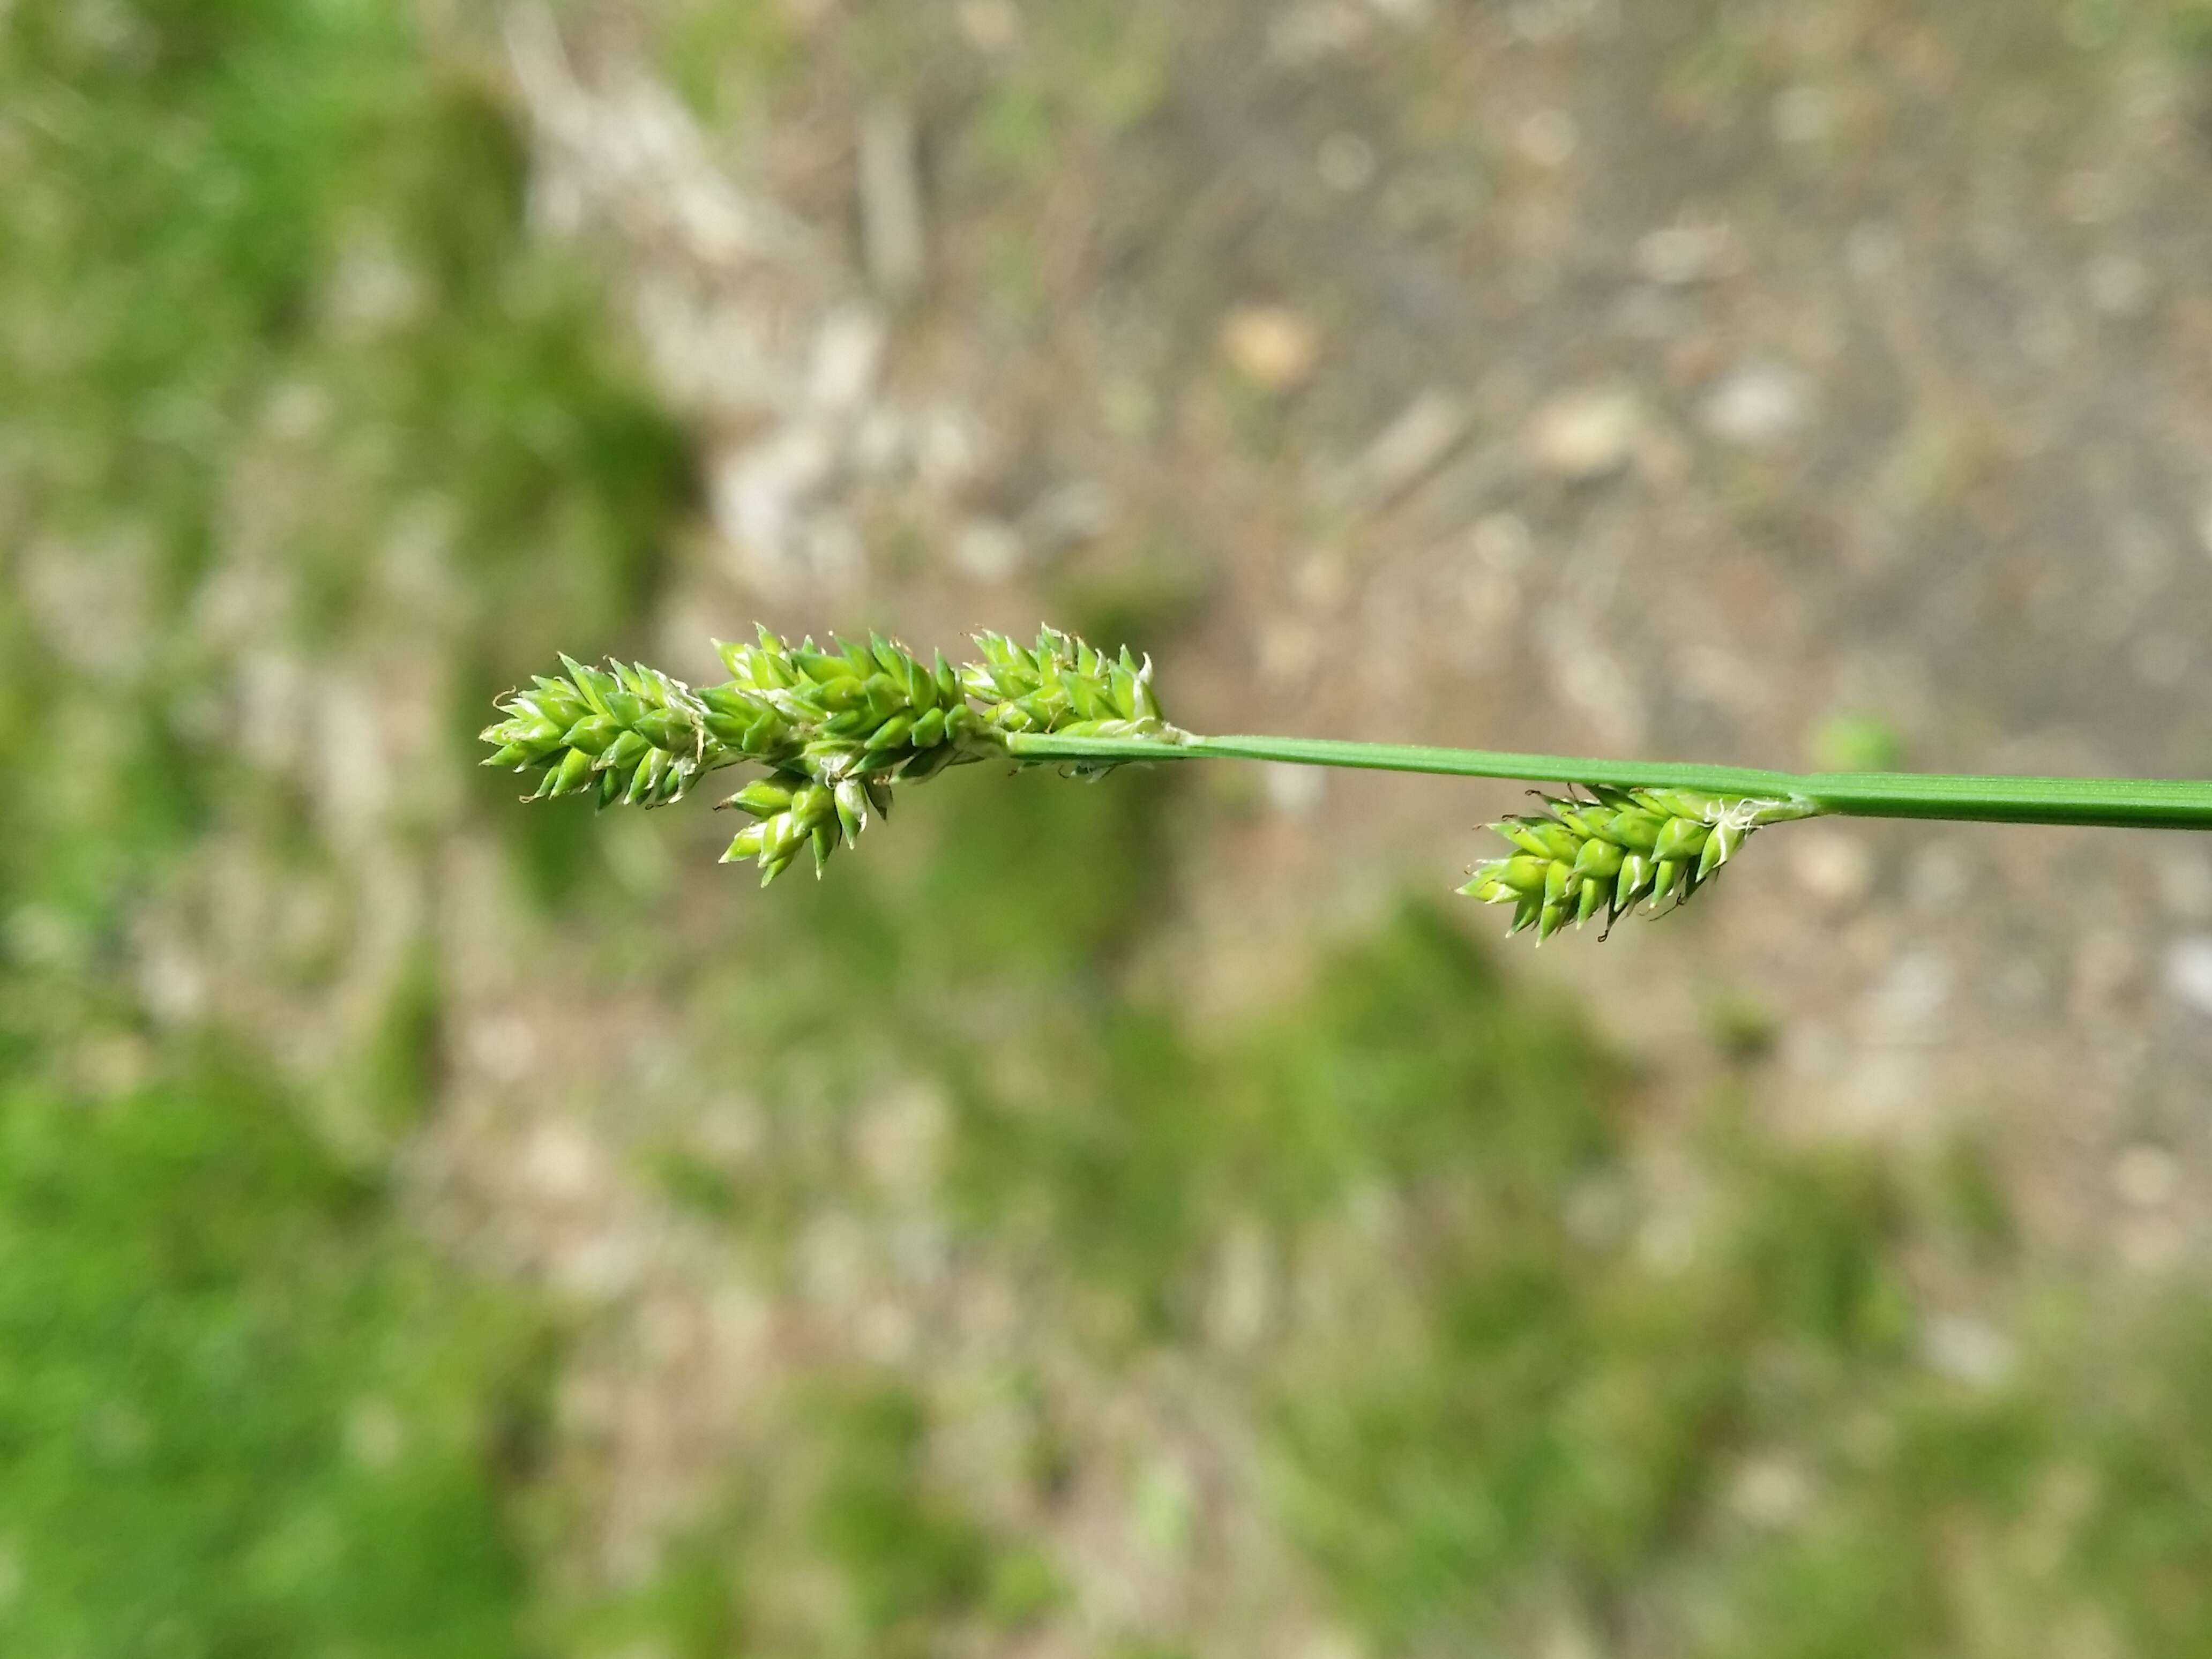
[(1681, 837), (592, 734), (1598, 860), (569, 777), (1633, 884), (852, 798), (891, 732), (763, 797)]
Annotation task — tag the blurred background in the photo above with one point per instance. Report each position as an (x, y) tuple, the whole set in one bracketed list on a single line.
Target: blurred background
[(1141, 1220)]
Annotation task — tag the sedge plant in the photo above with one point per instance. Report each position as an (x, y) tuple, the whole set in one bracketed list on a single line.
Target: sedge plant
[(835, 731)]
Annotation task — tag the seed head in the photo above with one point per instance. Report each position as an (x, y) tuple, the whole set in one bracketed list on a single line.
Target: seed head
[(836, 728), (1063, 686), (1615, 850), (854, 710), (792, 811), (639, 734)]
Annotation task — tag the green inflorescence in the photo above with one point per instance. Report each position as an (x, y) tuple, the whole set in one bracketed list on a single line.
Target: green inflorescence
[(629, 733), (1579, 859), (835, 728)]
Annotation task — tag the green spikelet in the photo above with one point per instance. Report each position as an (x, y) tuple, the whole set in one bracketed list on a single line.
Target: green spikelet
[(1063, 686), (836, 728), (792, 813), (872, 710), (1621, 847), (631, 732)]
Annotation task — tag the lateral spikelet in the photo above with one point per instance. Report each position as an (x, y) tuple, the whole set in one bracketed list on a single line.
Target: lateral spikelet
[(631, 732), (1581, 858)]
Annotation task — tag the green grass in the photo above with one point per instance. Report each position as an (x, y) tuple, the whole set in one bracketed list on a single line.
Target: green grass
[(242, 1411), (190, 190)]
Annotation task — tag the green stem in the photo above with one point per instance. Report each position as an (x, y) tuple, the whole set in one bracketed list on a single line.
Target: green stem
[(2120, 803)]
